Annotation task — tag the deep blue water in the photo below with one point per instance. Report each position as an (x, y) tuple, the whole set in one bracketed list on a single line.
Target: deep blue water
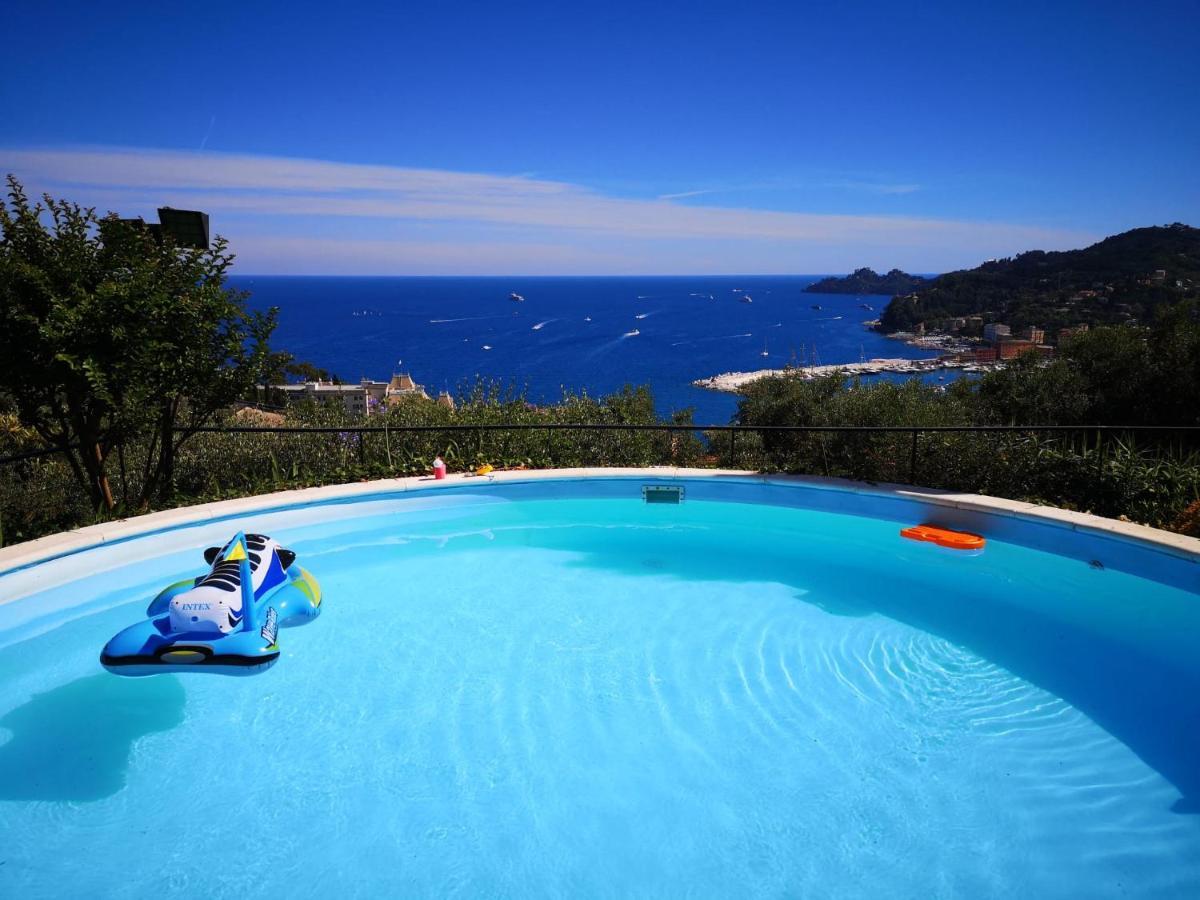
[(692, 327)]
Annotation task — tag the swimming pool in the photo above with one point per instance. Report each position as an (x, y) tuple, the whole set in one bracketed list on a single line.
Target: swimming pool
[(549, 686)]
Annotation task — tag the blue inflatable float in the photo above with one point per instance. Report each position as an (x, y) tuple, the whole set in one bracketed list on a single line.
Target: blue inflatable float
[(225, 621)]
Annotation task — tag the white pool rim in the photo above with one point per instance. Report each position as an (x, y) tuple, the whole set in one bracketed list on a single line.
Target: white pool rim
[(977, 507)]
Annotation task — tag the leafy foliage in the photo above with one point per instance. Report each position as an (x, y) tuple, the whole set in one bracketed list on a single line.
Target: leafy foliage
[(1111, 282), (110, 333), (40, 496), (1117, 375)]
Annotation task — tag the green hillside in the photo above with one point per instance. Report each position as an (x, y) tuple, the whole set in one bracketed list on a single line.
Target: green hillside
[(868, 281), (1123, 278)]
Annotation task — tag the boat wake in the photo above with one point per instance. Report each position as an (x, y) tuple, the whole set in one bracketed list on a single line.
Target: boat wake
[(722, 337), (463, 319)]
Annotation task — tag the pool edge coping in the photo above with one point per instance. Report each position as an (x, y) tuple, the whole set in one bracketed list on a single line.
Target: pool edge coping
[(45, 549)]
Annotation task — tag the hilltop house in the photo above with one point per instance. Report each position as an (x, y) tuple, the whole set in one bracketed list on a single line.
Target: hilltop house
[(363, 398)]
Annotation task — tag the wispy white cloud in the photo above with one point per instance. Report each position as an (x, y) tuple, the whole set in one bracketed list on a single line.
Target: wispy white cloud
[(683, 194), (790, 186), (876, 187), (293, 214)]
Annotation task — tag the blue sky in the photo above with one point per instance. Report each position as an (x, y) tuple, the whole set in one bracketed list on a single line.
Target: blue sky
[(614, 138)]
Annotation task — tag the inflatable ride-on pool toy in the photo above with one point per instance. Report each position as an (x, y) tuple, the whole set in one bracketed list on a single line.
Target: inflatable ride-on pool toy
[(225, 621)]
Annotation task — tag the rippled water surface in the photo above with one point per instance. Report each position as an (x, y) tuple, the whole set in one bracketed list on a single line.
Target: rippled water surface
[(598, 697)]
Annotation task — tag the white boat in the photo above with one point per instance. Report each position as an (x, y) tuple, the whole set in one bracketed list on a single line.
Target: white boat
[(633, 333), (745, 298), (516, 298), (641, 315), (587, 318), (487, 346)]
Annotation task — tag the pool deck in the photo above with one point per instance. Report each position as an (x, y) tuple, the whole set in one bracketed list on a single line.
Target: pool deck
[(29, 553)]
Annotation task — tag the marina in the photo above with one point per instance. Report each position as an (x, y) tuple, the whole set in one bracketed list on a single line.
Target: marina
[(733, 382)]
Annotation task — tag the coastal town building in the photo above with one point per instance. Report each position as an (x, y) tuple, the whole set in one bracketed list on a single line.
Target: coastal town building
[(402, 386), (994, 331), (1011, 348), (1034, 334), (363, 398)]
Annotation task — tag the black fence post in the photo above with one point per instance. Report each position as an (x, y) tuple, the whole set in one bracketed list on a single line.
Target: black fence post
[(912, 459)]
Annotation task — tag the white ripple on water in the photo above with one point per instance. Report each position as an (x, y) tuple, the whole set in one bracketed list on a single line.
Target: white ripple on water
[(463, 319), (672, 720), (721, 337), (1096, 779)]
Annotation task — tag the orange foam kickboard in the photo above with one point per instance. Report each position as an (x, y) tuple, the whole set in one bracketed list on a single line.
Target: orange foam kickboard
[(944, 537)]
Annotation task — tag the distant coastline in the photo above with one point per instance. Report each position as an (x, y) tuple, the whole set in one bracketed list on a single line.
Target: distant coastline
[(1125, 279), (868, 281)]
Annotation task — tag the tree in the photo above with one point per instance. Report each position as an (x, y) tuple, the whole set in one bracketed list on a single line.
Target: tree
[(1030, 391), (108, 333), (1117, 366)]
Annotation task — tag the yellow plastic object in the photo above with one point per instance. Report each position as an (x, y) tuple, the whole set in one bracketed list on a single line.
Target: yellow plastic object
[(484, 470), (944, 537)]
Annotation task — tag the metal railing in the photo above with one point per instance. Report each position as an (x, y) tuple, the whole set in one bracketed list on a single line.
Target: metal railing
[(913, 431), (1108, 468)]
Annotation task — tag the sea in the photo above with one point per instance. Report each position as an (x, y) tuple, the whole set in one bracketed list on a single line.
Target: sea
[(590, 334)]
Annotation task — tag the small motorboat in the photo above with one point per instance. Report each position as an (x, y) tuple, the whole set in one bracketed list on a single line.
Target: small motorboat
[(516, 298)]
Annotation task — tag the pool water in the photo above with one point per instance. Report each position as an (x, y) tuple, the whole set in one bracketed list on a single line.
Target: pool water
[(598, 697)]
